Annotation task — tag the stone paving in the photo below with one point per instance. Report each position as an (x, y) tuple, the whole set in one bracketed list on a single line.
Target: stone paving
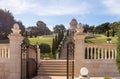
[(63, 77)]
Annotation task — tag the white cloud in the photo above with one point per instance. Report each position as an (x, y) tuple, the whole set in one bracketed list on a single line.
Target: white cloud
[(58, 7), (113, 6)]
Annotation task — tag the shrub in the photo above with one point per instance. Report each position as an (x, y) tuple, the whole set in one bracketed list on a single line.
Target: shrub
[(44, 48)]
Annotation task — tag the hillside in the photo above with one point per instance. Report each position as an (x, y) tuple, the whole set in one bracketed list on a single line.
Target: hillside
[(100, 39)]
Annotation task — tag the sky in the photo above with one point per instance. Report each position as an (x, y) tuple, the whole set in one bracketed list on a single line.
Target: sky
[(53, 12)]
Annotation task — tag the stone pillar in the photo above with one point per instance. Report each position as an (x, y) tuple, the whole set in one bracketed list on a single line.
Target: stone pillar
[(79, 49), (15, 53)]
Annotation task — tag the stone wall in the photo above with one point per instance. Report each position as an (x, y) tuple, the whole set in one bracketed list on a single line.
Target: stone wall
[(100, 68), (99, 59)]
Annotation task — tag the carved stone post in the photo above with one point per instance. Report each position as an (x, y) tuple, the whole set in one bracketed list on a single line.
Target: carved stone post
[(15, 52), (79, 49)]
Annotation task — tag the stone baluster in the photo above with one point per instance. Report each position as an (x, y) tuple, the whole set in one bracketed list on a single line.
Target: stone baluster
[(105, 53), (115, 53), (95, 53), (109, 53), (91, 51), (5, 52), (112, 54), (98, 53), (8, 52), (88, 56), (102, 53), (0, 53)]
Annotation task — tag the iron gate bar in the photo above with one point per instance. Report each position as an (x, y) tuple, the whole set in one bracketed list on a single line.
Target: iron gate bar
[(70, 60), (27, 61)]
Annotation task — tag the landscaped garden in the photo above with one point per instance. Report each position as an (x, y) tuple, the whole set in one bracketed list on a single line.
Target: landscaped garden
[(41, 39), (44, 42), (101, 39)]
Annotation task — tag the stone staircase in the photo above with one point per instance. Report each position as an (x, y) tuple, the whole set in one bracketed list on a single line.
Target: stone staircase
[(53, 68), (63, 54)]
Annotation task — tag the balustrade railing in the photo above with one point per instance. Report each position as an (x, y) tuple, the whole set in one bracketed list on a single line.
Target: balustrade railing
[(4, 51), (100, 51)]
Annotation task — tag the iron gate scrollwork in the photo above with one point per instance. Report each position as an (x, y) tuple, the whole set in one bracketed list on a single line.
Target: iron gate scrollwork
[(70, 60), (28, 60)]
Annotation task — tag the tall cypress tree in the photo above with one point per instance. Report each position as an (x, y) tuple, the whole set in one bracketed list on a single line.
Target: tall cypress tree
[(53, 46), (113, 33), (108, 34), (118, 52)]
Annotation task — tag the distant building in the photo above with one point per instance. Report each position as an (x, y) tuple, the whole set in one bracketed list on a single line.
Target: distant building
[(73, 25)]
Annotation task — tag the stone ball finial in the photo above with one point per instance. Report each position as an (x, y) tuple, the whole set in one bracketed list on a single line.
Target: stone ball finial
[(16, 29), (79, 26), (79, 29), (16, 26)]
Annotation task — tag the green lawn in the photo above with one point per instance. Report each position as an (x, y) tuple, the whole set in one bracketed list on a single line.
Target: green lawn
[(41, 39), (100, 39)]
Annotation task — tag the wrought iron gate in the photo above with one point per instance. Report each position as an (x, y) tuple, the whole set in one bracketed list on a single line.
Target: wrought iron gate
[(28, 60), (70, 60)]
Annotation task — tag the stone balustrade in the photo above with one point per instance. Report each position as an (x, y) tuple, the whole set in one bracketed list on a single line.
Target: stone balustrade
[(4, 51), (100, 51)]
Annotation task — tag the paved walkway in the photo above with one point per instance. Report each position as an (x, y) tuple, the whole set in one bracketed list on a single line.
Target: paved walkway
[(63, 77)]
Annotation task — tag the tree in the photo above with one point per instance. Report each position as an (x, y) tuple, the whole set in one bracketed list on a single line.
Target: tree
[(53, 46), (113, 33), (33, 31), (6, 23), (58, 28), (42, 28), (115, 26), (108, 33), (102, 28), (45, 48), (118, 51)]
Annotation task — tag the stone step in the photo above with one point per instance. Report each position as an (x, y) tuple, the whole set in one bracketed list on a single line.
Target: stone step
[(52, 74), (54, 68)]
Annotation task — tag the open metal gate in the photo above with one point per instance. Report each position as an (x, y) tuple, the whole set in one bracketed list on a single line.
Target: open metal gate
[(70, 60), (28, 60)]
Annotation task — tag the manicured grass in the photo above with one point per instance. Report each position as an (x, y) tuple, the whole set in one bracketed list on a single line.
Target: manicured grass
[(41, 39), (100, 39)]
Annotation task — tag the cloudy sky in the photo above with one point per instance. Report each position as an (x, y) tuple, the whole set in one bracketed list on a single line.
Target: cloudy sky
[(52, 12)]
